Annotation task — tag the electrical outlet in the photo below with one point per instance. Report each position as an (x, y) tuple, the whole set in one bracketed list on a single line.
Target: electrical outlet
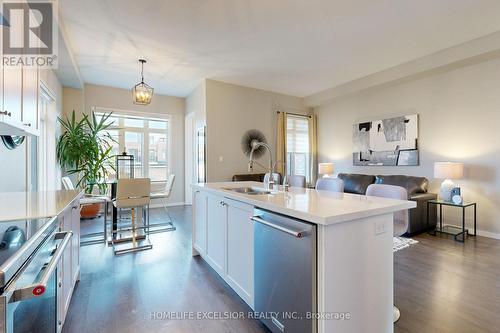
[(380, 228)]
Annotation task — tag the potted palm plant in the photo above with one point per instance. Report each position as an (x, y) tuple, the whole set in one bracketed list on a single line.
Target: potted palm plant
[(84, 150)]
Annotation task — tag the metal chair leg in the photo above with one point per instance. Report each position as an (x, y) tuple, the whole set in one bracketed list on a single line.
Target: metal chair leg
[(106, 207), (132, 215)]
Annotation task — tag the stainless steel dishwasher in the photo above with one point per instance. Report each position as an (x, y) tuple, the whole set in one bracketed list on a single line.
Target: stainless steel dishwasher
[(285, 272)]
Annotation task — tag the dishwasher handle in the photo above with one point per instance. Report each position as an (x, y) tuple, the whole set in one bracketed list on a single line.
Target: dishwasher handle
[(296, 234)]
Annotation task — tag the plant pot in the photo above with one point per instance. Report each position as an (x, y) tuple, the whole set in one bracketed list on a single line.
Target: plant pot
[(90, 211)]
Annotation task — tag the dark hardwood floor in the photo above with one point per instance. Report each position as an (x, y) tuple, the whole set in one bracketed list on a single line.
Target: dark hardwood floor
[(440, 286), (445, 286)]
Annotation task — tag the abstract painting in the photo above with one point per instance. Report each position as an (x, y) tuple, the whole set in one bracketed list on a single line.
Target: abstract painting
[(391, 142)]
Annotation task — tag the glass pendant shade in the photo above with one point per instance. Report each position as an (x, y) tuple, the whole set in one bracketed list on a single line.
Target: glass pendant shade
[(141, 92)]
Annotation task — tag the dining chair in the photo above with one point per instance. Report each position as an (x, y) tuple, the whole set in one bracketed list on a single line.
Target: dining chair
[(296, 180), (90, 199), (400, 218), (133, 193), (161, 190), (330, 184)]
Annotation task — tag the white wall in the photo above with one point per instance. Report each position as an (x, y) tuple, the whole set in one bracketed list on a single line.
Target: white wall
[(196, 103), (13, 175), (121, 99), (231, 110), (73, 99), (459, 117), (195, 118), (14, 171)]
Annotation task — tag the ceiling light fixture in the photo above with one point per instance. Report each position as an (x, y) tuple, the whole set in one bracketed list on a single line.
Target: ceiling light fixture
[(141, 92)]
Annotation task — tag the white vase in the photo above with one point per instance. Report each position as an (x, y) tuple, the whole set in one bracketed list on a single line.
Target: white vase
[(445, 192)]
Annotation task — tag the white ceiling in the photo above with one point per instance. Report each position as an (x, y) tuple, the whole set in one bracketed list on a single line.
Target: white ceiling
[(298, 47)]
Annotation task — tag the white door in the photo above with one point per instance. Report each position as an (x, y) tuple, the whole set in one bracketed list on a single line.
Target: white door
[(200, 222), (240, 249), (216, 234), (189, 171)]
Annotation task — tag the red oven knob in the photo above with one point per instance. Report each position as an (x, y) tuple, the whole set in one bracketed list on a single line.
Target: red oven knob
[(38, 290)]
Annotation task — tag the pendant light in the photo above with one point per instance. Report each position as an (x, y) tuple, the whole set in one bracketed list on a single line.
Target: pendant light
[(141, 92)]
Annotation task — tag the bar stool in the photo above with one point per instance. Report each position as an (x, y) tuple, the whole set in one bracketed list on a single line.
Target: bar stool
[(133, 193), (162, 190), (296, 180), (330, 184), (90, 199)]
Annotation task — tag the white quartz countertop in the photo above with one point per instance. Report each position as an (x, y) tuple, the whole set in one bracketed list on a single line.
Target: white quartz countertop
[(33, 205), (316, 206)]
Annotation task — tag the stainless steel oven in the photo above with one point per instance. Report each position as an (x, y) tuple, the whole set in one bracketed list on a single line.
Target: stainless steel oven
[(30, 252)]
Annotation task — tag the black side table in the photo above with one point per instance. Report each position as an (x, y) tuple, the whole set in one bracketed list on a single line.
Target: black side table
[(457, 232)]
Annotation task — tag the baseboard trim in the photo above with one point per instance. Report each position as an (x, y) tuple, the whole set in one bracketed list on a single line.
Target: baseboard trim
[(488, 234), (482, 233)]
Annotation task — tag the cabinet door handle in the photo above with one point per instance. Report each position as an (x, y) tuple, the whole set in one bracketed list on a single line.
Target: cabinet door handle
[(5, 113), (39, 287), (27, 124)]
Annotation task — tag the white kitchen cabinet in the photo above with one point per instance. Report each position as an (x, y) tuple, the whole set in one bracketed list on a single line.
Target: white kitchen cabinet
[(19, 92), (240, 249), (69, 268), (223, 236), (216, 234), (30, 118), (12, 100), (75, 243), (200, 222), (60, 297)]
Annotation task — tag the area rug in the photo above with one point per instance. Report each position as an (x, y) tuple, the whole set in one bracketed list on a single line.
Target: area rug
[(399, 243)]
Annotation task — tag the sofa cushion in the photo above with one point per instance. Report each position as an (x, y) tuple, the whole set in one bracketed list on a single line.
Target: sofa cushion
[(356, 183), (411, 184), (255, 177)]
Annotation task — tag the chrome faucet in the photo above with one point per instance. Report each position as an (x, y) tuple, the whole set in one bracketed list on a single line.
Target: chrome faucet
[(256, 144)]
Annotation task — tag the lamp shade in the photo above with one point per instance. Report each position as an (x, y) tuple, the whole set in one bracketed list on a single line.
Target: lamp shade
[(448, 170), (325, 168)]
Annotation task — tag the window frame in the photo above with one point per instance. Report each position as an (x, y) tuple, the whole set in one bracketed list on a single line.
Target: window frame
[(290, 168), (145, 131)]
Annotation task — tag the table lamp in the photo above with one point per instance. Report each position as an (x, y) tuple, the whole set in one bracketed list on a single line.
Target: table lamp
[(325, 169), (448, 171)]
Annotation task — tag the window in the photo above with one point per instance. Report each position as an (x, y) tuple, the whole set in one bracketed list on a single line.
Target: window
[(146, 138), (298, 153)]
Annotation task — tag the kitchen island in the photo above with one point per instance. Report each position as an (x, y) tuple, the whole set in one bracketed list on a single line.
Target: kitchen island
[(353, 257)]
